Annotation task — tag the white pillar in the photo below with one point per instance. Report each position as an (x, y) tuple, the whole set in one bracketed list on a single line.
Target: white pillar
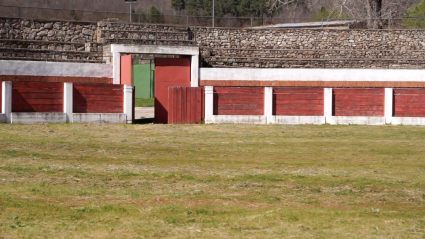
[(116, 62), (6, 102), (128, 103), (209, 103), (68, 101), (268, 103), (327, 104), (194, 71), (388, 112)]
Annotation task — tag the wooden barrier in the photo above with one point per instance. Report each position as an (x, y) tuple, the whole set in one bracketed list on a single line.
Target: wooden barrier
[(238, 101), (185, 105), (37, 97), (359, 102), (97, 98), (298, 101), (409, 102)]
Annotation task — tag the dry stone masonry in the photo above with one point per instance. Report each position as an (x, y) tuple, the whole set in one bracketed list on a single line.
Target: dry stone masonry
[(220, 47)]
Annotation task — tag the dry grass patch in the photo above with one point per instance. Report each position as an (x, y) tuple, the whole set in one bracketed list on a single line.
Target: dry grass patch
[(211, 181)]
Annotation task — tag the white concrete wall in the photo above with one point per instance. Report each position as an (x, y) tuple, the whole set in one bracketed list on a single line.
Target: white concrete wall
[(240, 119), (100, 118), (2, 118), (37, 118), (255, 74), (192, 51), (41, 68), (6, 103), (278, 119)]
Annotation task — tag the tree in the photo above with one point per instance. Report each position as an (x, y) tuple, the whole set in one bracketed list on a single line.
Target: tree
[(153, 15), (415, 16), (178, 5), (373, 12)]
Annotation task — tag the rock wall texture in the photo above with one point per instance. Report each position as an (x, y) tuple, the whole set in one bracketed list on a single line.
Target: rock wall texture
[(220, 47), (46, 40), (313, 48)]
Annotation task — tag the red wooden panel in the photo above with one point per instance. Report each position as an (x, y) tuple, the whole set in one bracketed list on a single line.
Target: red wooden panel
[(37, 97), (184, 105), (169, 72), (298, 101), (359, 101), (238, 101), (97, 98), (409, 102), (125, 70)]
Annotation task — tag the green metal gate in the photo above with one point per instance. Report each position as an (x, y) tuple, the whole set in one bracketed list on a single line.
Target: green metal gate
[(143, 79)]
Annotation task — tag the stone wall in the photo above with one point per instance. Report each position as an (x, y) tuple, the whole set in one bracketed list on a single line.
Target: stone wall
[(47, 30), (112, 32), (312, 48), (222, 47), (46, 40)]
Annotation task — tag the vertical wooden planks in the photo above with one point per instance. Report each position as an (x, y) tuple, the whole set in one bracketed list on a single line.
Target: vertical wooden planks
[(238, 100), (359, 101), (37, 97), (184, 105), (298, 101), (409, 102)]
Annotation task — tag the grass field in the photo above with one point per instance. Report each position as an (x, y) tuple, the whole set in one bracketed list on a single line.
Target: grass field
[(211, 181), (144, 102)]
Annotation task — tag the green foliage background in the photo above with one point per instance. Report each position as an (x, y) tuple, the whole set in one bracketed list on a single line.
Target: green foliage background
[(416, 16)]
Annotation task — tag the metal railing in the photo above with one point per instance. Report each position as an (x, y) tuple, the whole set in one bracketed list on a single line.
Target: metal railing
[(41, 13)]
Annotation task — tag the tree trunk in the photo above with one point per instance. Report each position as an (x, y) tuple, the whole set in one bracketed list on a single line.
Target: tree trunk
[(373, 13)]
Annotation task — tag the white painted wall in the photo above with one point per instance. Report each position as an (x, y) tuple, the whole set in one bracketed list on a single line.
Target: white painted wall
[(255, 74), (193, 51), (41, 68)]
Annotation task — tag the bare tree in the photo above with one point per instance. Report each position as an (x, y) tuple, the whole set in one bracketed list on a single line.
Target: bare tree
[(375, 13)]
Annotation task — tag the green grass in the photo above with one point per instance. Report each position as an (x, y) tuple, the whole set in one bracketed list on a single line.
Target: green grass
[(144, 102), (211, 181)]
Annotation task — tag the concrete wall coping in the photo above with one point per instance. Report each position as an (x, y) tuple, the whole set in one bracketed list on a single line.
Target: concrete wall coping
[(255, 74), (154, 49), (41, 68)]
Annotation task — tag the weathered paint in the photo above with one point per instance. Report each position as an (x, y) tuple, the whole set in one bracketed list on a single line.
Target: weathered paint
[(298, 101), (409, 102), (185, 105), (238, 101), (56, 69), (97, 98), (37, 118), (37, 97), (169, 72), (99, 118), (142, 79), (125, 70), (189, 51), (359, 102)]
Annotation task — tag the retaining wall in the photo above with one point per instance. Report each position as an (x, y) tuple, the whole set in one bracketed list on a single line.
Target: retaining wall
[(221, 47)]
